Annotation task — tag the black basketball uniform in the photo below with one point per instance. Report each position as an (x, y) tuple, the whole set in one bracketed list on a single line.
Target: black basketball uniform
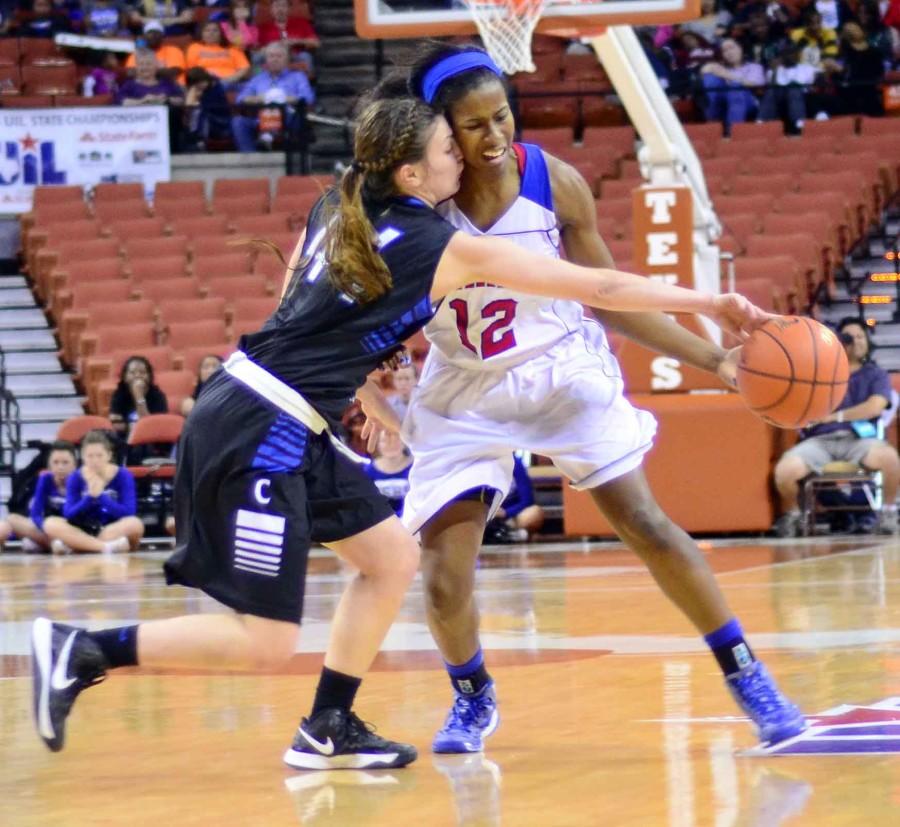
[(259, 475)]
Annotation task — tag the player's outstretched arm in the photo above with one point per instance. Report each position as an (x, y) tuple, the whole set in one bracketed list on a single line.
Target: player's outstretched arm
[(577, 215), (496, 260)]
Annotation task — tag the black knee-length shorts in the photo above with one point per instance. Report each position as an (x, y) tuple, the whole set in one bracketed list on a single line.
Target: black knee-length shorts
[(253, 490)]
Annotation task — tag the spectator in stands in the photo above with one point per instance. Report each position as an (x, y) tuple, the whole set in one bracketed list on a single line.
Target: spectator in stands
[(48, 501), (43, 21), (849, 434), (176, 16), (405, 377), (712, 24), (207, 113), (208, 366), (762, 42), (169, 59), (786, 95), (519, 516), (660, 57), (276, 83), (389, 469), (146, 87), (228, 64), (135, 396), (353, 421), (100, 507), (818, 45), (102, 79), (727, 85), (883, 38), (238, 28), (863, 71), (294, 31), (104, 18)]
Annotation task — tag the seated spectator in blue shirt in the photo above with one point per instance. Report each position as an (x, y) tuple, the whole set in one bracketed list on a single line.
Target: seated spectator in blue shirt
[(146, 87), (847, 435), (103, 18), (276, 84), (43, 21), (389, 469), (99, 512), (519, 516), (48, 501)]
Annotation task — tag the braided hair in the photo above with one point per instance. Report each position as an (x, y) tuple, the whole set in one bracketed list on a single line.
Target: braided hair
[(389, 133)]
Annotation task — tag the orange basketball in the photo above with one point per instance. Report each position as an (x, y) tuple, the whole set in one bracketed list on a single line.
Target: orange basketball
[(793, 371)]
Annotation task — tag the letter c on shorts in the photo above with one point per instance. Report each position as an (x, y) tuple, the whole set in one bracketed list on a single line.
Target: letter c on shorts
[(261, 491)]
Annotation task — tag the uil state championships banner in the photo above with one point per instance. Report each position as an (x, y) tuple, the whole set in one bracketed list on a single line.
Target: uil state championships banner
[(86, 145)]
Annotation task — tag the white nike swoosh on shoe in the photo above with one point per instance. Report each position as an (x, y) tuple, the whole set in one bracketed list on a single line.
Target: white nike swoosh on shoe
[(58, 679), (325, 747)]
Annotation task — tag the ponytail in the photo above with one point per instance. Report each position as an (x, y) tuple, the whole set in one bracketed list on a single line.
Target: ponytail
[(354, 265)]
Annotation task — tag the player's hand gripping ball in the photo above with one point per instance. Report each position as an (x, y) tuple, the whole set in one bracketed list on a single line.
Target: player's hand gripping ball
[(793, 371)]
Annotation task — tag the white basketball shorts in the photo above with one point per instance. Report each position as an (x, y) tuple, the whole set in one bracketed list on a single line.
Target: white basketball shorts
[(463, 425)]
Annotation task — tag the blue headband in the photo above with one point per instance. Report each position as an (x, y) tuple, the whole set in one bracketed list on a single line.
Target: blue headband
[(455, 65)]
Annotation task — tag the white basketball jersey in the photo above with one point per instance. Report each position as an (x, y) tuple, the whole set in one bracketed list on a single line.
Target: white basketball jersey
[(486, 326)]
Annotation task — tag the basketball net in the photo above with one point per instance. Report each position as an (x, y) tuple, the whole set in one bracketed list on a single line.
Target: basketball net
[(506, 28)]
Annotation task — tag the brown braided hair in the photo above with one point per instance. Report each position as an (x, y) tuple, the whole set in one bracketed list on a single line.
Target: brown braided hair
[(389, 133)]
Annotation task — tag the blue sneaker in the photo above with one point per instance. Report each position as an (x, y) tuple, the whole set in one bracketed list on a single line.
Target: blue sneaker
[(776, 718), (470, 720)]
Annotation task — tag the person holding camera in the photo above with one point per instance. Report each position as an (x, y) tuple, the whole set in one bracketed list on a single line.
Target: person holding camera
[(848, 435)]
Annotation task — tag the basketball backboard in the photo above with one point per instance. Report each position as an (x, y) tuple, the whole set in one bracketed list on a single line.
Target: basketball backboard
[(423, 18)]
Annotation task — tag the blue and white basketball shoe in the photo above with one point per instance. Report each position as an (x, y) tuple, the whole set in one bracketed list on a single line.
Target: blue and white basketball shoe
[(775, 717), (471, 719)]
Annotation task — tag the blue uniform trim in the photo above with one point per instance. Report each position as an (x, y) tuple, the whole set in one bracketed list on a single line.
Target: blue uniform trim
[(284, 446), (390, 335), (536, 177)]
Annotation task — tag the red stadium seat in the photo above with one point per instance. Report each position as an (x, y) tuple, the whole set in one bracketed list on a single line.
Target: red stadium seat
[(158, 269), (56, 194), (776, 185), (304, 185), (175, 311), (177, 385), (125, 210), (75, 322), (181, 209), (48, 260), (620, 138), (147, 249), (76, 428), (260, 226), (232, 288), (105, 338), (191, 357), (204, 225), (240, 188), (127, 229), (836, 127), (26, 101), (163, 289), (71, 273), (208, 332), (116, 193), (223, 264), (238, 205), (49, 80)]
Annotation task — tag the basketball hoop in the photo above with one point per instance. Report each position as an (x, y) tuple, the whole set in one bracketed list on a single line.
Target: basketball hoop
[(506, 28)]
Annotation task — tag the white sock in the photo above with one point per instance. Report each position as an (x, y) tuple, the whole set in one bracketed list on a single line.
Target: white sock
[(117, 546)]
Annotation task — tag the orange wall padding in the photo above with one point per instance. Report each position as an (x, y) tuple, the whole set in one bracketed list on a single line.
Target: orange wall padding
[(709, 469)]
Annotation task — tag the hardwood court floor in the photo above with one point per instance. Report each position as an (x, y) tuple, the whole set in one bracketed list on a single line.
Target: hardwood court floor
[(612, 712)]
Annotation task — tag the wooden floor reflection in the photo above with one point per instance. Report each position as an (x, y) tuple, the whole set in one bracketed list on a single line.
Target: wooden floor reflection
[(612, 711)]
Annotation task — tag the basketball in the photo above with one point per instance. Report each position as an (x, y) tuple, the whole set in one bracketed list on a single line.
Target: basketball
[(793, 371)]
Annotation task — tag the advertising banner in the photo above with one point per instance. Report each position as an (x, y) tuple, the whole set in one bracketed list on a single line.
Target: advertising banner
[(86, 145)]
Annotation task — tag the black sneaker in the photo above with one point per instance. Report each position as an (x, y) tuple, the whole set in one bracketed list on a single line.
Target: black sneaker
[(335, 739), (64, 660)]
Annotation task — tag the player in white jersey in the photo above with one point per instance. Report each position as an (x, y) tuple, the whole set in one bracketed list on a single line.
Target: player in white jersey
[(508, 371)]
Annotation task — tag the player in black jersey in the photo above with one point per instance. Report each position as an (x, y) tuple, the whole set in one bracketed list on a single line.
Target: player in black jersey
[(260, 476)]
